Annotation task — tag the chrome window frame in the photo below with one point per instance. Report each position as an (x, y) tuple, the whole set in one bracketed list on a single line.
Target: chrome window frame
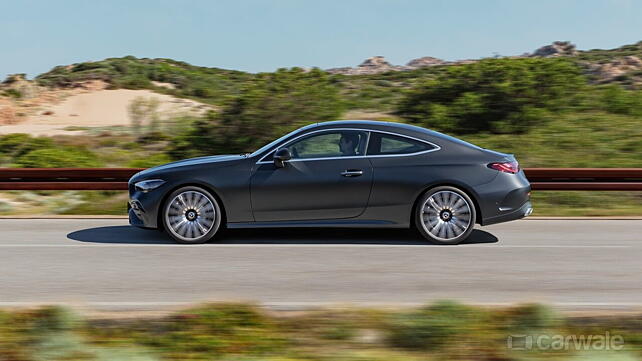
[(435, 148)]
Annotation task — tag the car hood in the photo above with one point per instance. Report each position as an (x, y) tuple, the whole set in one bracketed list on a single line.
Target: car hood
[(192, 161)]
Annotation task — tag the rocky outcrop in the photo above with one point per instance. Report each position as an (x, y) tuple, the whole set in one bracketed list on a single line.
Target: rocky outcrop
[(609, 71), (558, 48), (373, 65), (378, 64), (425, 61)]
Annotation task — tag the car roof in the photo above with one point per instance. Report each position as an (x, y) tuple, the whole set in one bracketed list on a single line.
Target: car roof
[(401, 128), (379, 125)]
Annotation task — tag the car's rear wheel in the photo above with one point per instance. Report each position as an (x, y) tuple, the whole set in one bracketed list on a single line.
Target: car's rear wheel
[(445, 215), (191, 215)]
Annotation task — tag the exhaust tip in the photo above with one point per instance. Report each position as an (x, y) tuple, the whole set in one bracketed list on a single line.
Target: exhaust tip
[(528, 212)]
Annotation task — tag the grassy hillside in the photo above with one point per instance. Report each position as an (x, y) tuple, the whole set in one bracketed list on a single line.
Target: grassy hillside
[(213, 85), (209, 85), (602, 55)]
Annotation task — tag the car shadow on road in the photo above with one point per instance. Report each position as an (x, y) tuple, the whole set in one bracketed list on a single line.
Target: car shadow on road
[(293, 236)]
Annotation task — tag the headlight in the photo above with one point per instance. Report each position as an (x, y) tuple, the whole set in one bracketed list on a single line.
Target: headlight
[(148, 185)]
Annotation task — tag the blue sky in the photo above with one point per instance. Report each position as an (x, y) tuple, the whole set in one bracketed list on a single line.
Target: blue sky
[(255, 35)]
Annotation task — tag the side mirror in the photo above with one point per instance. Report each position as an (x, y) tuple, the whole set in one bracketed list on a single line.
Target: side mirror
[(281, 156)]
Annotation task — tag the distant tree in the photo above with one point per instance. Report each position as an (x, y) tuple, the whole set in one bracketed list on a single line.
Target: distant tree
[(496, 95), (144, 110), (152, 114)]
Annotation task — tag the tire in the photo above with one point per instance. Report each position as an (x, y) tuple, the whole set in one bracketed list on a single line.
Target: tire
[(445, 215), (191, 215)]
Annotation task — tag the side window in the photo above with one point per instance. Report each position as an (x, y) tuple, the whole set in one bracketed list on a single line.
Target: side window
[(343, 143), (384, 144)]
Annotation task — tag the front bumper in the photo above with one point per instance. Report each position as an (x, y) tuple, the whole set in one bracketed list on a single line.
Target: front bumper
[(134, 220), (142, 208), (136, 214)]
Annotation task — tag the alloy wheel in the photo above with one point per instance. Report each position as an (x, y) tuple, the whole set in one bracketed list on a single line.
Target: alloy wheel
[(190, 215), (446, 215)]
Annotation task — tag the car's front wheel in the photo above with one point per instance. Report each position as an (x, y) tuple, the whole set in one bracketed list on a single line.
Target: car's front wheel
[(445, 215), (191, 215)]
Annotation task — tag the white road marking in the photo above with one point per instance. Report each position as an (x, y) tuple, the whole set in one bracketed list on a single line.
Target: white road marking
[(302, 304), (294, 245)]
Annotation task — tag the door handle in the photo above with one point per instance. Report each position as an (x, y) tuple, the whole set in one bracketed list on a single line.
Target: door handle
[(352, 172)]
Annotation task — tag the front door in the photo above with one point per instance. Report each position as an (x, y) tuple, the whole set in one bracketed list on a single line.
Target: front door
[(328, 177)]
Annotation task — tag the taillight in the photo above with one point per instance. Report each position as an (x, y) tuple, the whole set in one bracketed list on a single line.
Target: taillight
[(506, 167)]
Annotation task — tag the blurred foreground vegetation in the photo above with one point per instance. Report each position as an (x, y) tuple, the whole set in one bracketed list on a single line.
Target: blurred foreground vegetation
[(549, 112), (440, 331)]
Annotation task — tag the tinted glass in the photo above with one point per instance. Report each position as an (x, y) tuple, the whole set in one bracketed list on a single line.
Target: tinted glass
[(329, 144), (382, 144)]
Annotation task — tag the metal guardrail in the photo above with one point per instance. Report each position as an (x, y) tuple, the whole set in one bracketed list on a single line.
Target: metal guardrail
[(66, 178), (549, 179), (585, 179)]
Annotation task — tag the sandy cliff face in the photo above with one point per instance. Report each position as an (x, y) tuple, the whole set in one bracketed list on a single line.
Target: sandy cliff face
[(28, 108)]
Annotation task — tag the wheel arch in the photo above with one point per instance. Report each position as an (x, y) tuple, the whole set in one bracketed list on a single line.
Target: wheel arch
[(159, 216), (464, 188)]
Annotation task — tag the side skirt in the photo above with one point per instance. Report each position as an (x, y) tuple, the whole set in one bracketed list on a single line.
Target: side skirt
[(318, 224)]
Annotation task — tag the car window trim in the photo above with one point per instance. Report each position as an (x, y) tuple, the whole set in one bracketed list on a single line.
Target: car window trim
[(369, 131), (403, 136)]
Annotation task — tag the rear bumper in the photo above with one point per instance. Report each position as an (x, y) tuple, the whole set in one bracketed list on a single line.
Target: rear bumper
[(524, 211), (506, 198)]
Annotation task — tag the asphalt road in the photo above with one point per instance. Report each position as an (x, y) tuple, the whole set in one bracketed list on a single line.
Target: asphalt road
[(107, 264)]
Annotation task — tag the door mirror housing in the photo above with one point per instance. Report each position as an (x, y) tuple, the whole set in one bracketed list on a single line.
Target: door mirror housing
[(281, 156)]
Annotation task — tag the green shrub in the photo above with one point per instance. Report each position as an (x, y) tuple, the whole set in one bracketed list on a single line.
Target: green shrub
[(432, 327), (497, 95), (91, 202), (58, 158), (534, 317), (11, 142), (133, 82), (338, 331), (276, 103), (150, 161), (210, 331), (18, 144), (616, 100), (55, 318), (13, 93)]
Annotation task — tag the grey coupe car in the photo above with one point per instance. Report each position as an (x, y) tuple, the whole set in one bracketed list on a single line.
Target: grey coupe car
[(336, 174)]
